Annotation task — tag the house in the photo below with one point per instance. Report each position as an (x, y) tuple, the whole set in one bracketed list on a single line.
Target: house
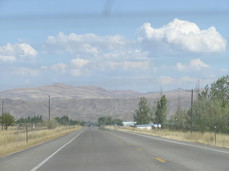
[(130, 123), (148, 126)]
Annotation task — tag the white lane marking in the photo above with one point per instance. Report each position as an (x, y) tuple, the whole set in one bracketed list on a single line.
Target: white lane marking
[(176, 142), (49, 157)]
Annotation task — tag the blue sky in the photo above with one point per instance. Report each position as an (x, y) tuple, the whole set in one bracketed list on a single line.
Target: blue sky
[(139, 45)]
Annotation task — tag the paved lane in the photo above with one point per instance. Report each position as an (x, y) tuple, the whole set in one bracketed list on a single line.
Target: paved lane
[(98, 150), (94, 149), (179, 155)]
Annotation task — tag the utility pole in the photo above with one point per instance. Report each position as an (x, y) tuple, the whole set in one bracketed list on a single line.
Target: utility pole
[(2, 115), (196, 90), (49, 108), (191, 110)]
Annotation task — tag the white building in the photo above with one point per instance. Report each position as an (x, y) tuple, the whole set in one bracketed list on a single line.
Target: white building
[(130, 123)]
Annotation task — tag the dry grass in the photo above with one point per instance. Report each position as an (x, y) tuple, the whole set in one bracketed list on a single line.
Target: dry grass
[(15, 140), (222, 140)]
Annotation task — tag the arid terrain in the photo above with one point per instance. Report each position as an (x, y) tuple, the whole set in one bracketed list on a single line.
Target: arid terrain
[(85, 103)]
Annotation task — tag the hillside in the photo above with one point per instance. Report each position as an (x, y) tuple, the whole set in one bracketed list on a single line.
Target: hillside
[(62, 91), (84, 103)]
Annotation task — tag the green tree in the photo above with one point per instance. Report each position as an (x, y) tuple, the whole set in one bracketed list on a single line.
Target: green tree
[(102, 121), (161, 111), (211, 107), (220, 90), (142, 114), (117, 122), (179, 120), (52, 123), (7, 120)]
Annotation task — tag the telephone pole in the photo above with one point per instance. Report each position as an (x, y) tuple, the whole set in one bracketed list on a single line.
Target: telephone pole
[(2, 115), (49, 107), (192, 90)]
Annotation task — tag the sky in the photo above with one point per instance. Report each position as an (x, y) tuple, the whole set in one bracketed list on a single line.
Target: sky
[(144, 46)]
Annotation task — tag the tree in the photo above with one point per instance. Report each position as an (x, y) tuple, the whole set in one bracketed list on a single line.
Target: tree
[(142, 114), (211, 109), (107, 120), (220, 90), (160, 115), (7, 120), (117, 122), (179, 120)]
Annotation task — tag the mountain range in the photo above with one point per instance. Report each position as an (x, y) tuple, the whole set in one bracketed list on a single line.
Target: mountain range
[(86, 103)]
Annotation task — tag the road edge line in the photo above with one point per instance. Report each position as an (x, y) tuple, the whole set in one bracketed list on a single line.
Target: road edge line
[(176, 142), (54, 153)]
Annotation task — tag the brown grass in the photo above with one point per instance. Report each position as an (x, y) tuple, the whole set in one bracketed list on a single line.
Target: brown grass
[(15, 140), (222, 140)]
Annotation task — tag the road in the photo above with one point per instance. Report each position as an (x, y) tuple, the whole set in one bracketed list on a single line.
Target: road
[(94, 149)]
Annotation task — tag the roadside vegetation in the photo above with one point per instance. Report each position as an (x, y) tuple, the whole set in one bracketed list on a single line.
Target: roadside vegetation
[(26, 132), (222, 140), (207, 121), (209, 112), (106, 120)]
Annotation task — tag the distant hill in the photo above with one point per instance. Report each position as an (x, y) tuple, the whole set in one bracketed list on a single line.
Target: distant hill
[(63, 91), (85, 102)]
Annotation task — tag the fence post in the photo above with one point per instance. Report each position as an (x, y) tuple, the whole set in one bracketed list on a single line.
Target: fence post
[(26, 133)]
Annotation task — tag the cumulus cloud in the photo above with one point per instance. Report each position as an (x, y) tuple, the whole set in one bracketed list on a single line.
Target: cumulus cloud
[(8, 58), (181, 36), (128, 65), (194, 65), (24, 71), (91, 46), (98, 53), (78, 67), (27, 50), (79, 62), (59, 67), (17, 52), (167, 80)]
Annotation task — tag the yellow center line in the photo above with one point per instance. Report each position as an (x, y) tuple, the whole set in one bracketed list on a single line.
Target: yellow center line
[(138, 149), (160, 160)]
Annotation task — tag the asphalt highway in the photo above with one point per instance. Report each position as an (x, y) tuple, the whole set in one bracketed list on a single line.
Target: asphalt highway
[(94, 149)]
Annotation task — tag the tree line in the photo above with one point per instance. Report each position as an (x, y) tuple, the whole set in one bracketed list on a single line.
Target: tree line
[(107, 120), (6, 120), (210, 109), (209, 112), (144, 114)]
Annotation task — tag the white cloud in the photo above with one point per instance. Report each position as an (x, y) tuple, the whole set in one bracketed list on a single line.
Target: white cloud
[(194, 65), (185, 80), (198, 64), (91, 46), (181, 36), (128, 65), (23, 71), (79, 63), (76, 72), (44, 68), (17, 52), (180, 67), (7, 58), (28, 50), (165, 80), (93, 53), (59, 67)]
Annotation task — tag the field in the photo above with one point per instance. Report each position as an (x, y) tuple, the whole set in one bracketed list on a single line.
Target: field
[(14, 139), (222, 140)]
